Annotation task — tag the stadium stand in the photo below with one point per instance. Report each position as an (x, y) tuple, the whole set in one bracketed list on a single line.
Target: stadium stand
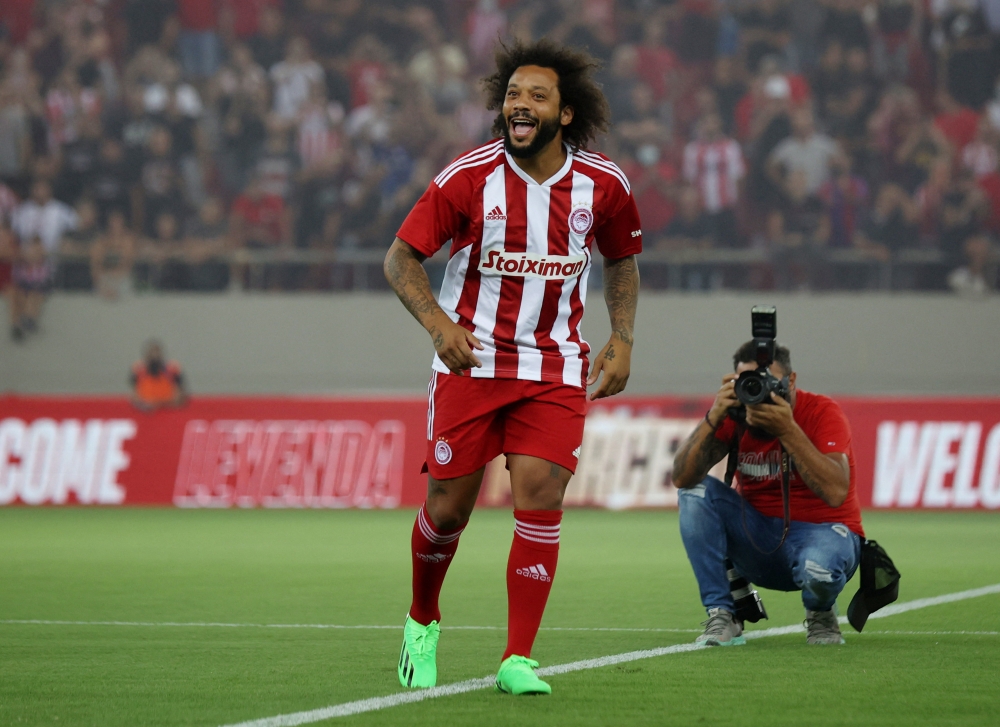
[(278, 144)]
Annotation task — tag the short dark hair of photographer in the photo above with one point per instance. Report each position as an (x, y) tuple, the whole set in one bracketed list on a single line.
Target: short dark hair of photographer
[(577, 88), (747, 353)]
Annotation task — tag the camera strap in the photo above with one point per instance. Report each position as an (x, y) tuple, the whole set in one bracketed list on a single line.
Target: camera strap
[(786, 505)]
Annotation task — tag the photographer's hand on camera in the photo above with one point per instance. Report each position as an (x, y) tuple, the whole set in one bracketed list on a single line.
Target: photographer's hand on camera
[(725, 399), (775, 418)]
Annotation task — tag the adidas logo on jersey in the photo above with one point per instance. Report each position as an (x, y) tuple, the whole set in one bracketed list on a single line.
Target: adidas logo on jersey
[(433, 557), (535, 573), (496, 214), (576, 452)]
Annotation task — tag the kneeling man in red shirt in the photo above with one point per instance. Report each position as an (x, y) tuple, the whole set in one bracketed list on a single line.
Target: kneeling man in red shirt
[(731, 532)]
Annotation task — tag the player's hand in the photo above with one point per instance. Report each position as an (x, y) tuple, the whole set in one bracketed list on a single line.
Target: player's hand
[(615, 360), (725, 400), (454, 345), (774, 418)]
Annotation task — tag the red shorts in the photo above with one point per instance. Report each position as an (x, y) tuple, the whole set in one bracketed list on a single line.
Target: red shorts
[(471, 421)]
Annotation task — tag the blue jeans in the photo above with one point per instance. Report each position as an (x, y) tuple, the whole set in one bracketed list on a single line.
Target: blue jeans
[(200, 52), (817, 559)]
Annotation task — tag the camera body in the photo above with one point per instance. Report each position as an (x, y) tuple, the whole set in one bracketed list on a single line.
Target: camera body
[(755, 387)]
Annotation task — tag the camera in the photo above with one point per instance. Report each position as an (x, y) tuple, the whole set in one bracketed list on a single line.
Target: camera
[(755, 387), (746, 600)]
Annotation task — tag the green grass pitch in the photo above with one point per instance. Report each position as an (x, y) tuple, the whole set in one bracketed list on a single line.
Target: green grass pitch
[(625, 569)]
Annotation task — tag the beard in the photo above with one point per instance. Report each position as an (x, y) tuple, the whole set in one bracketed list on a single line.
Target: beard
[(545, 131)]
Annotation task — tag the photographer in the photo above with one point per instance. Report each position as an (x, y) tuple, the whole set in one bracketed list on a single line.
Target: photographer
[(807, 540)]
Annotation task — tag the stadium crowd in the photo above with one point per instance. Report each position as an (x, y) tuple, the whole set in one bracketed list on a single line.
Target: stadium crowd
[(788, 144)]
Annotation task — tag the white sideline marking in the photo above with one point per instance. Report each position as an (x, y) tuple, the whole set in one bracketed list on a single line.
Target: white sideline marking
[(393, 700), (202, 624)]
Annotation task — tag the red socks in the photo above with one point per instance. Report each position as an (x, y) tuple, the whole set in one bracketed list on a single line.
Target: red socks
[(530, 570), (432, 551)]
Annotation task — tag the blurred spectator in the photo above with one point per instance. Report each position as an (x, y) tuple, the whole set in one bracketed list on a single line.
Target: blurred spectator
[(32, 279), (294, 79), (159, 182), (268, 43), (200, 47), (112, 257), (341, 107), (958, 123), (44, 218), (714, 164), (971, 69), (73, 271), (109, 184), (156, 382), (765, 26), (978, 274), (845, 200), (162, 266), (892, 223), (807, 152), (980, 155), (692, 229), (205, 245), (653, 181), (260, 221)]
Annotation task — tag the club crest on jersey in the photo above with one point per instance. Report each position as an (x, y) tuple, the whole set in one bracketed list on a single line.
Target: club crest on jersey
[(531, 265), (581, 219), (442, 452)]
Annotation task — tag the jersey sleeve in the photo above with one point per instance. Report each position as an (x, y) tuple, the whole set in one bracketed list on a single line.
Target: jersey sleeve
[(433, 221), (830, 432), (620, 235)]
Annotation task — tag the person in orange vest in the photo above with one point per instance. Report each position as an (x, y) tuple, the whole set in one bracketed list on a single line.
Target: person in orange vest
[(157, 383)]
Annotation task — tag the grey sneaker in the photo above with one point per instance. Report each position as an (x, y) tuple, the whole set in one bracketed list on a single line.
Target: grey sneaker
[(822, 628), (721, 629)]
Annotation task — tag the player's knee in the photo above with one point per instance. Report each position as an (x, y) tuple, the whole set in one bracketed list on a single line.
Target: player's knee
[(446, 514)]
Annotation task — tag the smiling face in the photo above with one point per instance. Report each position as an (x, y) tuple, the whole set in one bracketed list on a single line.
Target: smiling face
[(531, 110)]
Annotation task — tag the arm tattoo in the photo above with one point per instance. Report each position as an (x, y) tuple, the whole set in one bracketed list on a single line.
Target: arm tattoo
[(699, 454), (621, 292), (409, 280)]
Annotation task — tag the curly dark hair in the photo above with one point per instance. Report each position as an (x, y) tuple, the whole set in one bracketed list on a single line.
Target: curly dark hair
[(577, 88)]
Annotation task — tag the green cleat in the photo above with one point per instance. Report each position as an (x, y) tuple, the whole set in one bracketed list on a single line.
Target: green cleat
[(418, 657), (517, 676)]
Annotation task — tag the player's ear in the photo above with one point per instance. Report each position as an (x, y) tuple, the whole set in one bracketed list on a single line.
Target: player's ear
[(566, 116)]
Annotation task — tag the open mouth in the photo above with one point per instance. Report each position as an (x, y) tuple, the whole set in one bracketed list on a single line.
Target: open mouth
[(521, 128)]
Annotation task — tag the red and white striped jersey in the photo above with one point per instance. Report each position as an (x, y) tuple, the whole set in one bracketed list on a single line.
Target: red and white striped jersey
[(714, 167), (521, 254)]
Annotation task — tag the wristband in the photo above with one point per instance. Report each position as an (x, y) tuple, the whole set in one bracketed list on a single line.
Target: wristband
[(708, 421)]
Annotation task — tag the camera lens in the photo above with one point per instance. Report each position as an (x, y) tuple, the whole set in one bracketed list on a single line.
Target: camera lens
[(753, 388)]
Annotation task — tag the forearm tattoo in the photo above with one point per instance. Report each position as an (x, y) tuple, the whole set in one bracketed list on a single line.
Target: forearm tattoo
[(621, 292), (410, 282), (699, 454)]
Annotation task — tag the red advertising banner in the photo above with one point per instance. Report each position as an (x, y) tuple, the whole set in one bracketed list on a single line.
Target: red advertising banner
[(335, 453)]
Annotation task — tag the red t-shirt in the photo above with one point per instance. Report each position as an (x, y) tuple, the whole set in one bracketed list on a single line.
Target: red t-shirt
[(759, 472), (263, 213), (197, 14), (959, 127)]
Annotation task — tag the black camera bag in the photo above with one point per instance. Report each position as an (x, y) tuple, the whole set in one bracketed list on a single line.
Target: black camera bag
[(879, 584)]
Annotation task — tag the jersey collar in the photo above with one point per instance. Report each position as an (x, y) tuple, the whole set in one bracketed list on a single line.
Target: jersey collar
[(563, 171)]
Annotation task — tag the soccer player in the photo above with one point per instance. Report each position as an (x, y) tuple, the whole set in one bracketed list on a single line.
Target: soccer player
[(510, 370)]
